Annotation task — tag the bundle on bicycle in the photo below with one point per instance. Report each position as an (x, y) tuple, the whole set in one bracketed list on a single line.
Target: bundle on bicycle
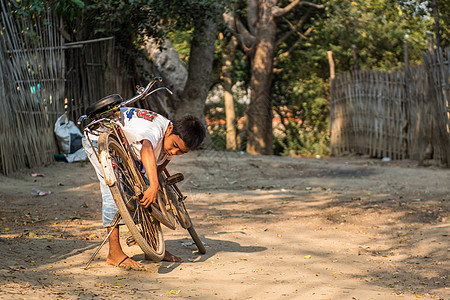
[(130, 149)]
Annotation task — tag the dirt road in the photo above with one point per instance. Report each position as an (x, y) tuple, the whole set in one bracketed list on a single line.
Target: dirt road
[(274, 228)]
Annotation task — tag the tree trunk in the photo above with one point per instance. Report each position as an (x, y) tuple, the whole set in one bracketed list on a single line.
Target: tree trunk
[(227, 84), (258, 40), (170, 67), (259, 112), (198, 83)]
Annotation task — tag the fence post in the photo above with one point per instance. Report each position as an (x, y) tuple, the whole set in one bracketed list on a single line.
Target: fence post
[(332, 104), (331, 62), (430, 42), (406, 54), (436, 23), (405, 103), (355, 58)]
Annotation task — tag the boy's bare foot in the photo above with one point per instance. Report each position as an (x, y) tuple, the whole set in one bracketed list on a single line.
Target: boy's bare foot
[(123, 262), (169, 257), (116, 257)]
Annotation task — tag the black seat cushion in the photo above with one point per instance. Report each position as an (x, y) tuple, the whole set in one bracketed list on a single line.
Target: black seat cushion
[(103, 105)]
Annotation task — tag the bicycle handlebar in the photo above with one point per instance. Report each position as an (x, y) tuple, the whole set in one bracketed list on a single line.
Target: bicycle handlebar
[(146, 92), (142, 94)]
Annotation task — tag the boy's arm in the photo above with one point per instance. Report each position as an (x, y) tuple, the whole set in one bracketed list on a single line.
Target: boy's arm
[(149, 162)]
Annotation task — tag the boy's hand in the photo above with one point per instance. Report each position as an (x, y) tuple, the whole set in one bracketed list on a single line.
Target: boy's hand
[(149, 197), (148, 159)]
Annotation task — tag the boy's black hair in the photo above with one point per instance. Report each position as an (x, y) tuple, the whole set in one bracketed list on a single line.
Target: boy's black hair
[(190, 130)]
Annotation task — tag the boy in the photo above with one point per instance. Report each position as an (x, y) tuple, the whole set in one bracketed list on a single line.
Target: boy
[(154, 140)]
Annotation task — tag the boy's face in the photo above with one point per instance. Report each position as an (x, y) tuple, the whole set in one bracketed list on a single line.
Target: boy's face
[(173, 144)]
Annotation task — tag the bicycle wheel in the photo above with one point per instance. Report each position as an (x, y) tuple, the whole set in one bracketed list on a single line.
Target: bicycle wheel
[(126, 187), (182, 215), (184, 219), (178, 207)]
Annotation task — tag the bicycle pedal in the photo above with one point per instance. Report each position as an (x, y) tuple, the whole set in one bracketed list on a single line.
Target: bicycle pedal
[(130, 241)]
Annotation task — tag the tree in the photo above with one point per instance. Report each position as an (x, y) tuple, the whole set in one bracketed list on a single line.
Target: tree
[(203, 16), (227, 83), (144, 24), (258, 41), (199, 71)]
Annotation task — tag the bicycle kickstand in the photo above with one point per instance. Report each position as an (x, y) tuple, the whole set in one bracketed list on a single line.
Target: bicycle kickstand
[(114, 223)]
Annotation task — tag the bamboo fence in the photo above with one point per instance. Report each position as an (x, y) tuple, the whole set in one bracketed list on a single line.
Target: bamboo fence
[(42, 77), (31, 86), (88, 63), (437, 64), (402, 114)]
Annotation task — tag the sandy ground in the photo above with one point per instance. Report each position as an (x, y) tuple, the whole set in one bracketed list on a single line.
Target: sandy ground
[(274, 228)]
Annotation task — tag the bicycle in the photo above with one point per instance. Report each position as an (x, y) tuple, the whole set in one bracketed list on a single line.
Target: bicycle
[(127, 183)]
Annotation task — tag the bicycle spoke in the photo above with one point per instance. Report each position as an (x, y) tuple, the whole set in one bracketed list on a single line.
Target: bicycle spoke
[(125, 174), (136, 216), (151, 234), (122, 173), (119, 167), (144, 224), (147, 222)]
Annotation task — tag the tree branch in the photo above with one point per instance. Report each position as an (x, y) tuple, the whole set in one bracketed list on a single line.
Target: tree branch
[(228, 18), (296, 27), (287, 52), (278, 12), (252, 15), (246, 39)]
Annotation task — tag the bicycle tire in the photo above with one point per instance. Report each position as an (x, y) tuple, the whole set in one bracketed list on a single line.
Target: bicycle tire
[(160, 212), (103, 105), (180, 211), (144, 228), (198, 242)]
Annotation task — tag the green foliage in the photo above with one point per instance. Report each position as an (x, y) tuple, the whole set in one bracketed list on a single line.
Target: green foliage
[(39, 11), (378, 29), (218, 136), (70, 8), (181, 41), (129, 21), (215, 113), (303, 108), (132, 22)]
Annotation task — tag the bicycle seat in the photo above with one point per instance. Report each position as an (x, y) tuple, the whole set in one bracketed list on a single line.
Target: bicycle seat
[(103, 105)]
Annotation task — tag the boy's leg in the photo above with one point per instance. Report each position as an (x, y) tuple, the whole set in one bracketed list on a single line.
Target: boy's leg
[(116, 256)]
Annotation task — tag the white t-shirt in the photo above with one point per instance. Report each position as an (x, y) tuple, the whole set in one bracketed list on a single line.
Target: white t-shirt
[(141, 124)]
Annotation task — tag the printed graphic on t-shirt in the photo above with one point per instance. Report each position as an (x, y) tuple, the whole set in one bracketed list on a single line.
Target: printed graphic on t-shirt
[(140, 113)]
